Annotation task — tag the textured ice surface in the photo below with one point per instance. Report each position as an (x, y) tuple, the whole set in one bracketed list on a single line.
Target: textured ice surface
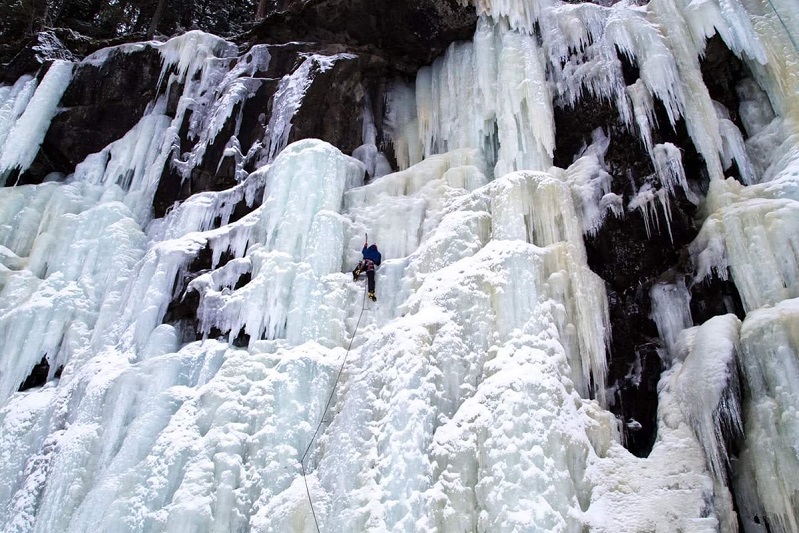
[(476, 357), (474, 394), (671, 312), (24, 118), (770, 364)]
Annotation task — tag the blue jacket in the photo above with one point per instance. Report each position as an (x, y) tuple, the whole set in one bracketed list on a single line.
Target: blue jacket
[(372, 254)]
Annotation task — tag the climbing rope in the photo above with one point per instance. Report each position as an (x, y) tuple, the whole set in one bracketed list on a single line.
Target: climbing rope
[(327, 406)]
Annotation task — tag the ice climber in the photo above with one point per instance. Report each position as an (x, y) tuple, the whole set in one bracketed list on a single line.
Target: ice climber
[(371, 259)]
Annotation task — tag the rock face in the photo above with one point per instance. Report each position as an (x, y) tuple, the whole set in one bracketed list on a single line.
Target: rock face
[(405, 34), (385, 39), (629, 260), (101, 104)]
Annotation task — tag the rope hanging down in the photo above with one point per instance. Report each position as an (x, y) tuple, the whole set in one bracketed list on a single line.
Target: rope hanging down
[(327, 406)]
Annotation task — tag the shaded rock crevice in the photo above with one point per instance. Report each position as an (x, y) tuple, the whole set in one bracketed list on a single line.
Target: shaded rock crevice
[(629, 259)]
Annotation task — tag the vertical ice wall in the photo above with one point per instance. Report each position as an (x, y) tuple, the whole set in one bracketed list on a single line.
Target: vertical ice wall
[(771, 368), (748, 230), (477, 332), (466, 402)]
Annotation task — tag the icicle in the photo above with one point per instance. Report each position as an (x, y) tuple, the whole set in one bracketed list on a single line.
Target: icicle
[(667, 160), (401, 123), (288, 98), (489, 319), (521, 14), (491, 95), (733, 145), (189, 52), (671, 312), (643, 111), (776, 32), (204, 210), (754, 107), (213, 100), (644, 200), (727, 18), (22, 139), (590, 185)]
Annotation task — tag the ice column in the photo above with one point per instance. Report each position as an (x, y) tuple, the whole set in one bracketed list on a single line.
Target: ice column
[(777, 74), (492, 95), (671, 312), (708, 388), (770, 364), (21, 140), (13, 101), (296, 241), (734, 148), (755, 236), (288, 99), (368, 153)]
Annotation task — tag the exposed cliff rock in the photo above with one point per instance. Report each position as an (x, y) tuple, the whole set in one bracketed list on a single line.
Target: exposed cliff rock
[(628, 259), (385, 40), (102, 103), (407, 34)]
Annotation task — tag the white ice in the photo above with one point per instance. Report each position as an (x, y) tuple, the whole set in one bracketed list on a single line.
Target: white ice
[(476, 332), (770, 365), (708, 388), (671, 312), (473, 397), (26, 131)]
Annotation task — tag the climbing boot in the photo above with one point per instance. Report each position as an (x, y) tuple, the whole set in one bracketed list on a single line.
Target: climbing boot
[(372, 296)]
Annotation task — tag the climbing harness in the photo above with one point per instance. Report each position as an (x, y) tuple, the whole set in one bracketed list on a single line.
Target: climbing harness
[(327, 406)]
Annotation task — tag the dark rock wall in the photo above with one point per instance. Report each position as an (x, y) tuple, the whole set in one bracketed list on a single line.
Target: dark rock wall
[(630, 261), (406, 34), (100, 105)]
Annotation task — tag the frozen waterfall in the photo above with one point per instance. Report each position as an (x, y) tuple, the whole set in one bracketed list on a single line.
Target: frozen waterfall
[(475, 395)]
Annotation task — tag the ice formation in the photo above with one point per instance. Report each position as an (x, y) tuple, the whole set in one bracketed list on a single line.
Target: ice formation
[(671, 312), (771, 366), (474, 397), (25, 115)]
